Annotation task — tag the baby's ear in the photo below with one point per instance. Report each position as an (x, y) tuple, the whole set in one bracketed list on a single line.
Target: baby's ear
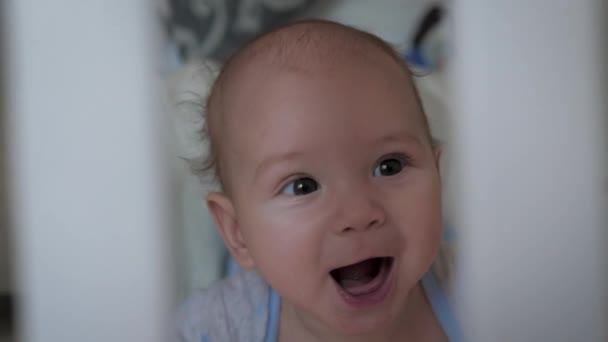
[(224, 215)]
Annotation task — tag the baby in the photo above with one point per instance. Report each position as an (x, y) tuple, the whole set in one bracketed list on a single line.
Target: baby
[(330, 195)]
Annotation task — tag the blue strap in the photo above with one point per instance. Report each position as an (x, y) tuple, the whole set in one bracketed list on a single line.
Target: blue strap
[(272, 325), (441, 308)]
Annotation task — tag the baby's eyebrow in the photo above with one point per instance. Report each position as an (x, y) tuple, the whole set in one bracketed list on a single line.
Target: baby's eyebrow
[(401, 137), (275, 159)]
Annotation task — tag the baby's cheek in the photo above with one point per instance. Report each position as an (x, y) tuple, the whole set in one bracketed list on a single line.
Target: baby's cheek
[(284, 250), (427, 238), (419, 219)]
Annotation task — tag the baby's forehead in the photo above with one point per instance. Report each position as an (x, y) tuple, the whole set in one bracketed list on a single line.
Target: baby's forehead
[(307, 49), (310, 47)]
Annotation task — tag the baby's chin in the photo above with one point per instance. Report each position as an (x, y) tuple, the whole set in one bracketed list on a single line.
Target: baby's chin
[(362, 325), (358, 307), (371, 323), (325, 319)]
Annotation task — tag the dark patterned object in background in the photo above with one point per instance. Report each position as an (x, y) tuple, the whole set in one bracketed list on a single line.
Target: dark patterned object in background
[(215, 28)]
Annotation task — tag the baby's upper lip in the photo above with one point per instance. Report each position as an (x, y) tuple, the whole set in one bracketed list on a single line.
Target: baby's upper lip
[(360, 259)]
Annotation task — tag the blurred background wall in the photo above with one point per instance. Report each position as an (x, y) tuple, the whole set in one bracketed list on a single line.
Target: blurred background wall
[(4, 244)]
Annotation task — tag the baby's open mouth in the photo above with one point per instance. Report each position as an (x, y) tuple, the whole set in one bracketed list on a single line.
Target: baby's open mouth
[(364, 277)]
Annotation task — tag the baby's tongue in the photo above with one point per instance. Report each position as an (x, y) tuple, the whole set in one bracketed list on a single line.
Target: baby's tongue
[(357, 274)]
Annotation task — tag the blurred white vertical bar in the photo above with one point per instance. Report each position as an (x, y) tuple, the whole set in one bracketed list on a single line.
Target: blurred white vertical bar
[(88, 171), (530, 141)]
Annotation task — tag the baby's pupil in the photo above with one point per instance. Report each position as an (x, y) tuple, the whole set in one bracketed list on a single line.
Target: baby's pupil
[(390, 167), (305, 186)]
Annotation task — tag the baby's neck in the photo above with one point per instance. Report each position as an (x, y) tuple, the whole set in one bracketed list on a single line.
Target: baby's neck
[(418, 323)]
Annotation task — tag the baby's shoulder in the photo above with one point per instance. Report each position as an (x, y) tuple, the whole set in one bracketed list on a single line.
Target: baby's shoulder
[(232, 309)]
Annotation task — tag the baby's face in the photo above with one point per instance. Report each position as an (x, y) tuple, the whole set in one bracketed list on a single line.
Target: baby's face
[(328, 170)]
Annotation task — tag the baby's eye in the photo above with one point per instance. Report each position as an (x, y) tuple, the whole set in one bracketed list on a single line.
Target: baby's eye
[(300, 186), (388, 167)]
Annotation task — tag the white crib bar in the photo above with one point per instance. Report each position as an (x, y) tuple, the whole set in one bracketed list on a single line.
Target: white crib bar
[(531, 141), (88, 171)]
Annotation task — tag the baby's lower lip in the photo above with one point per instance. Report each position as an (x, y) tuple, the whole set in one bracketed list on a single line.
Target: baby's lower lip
[(375, 293)]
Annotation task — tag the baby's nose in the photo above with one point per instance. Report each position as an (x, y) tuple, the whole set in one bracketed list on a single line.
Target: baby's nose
[(359, 211)]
